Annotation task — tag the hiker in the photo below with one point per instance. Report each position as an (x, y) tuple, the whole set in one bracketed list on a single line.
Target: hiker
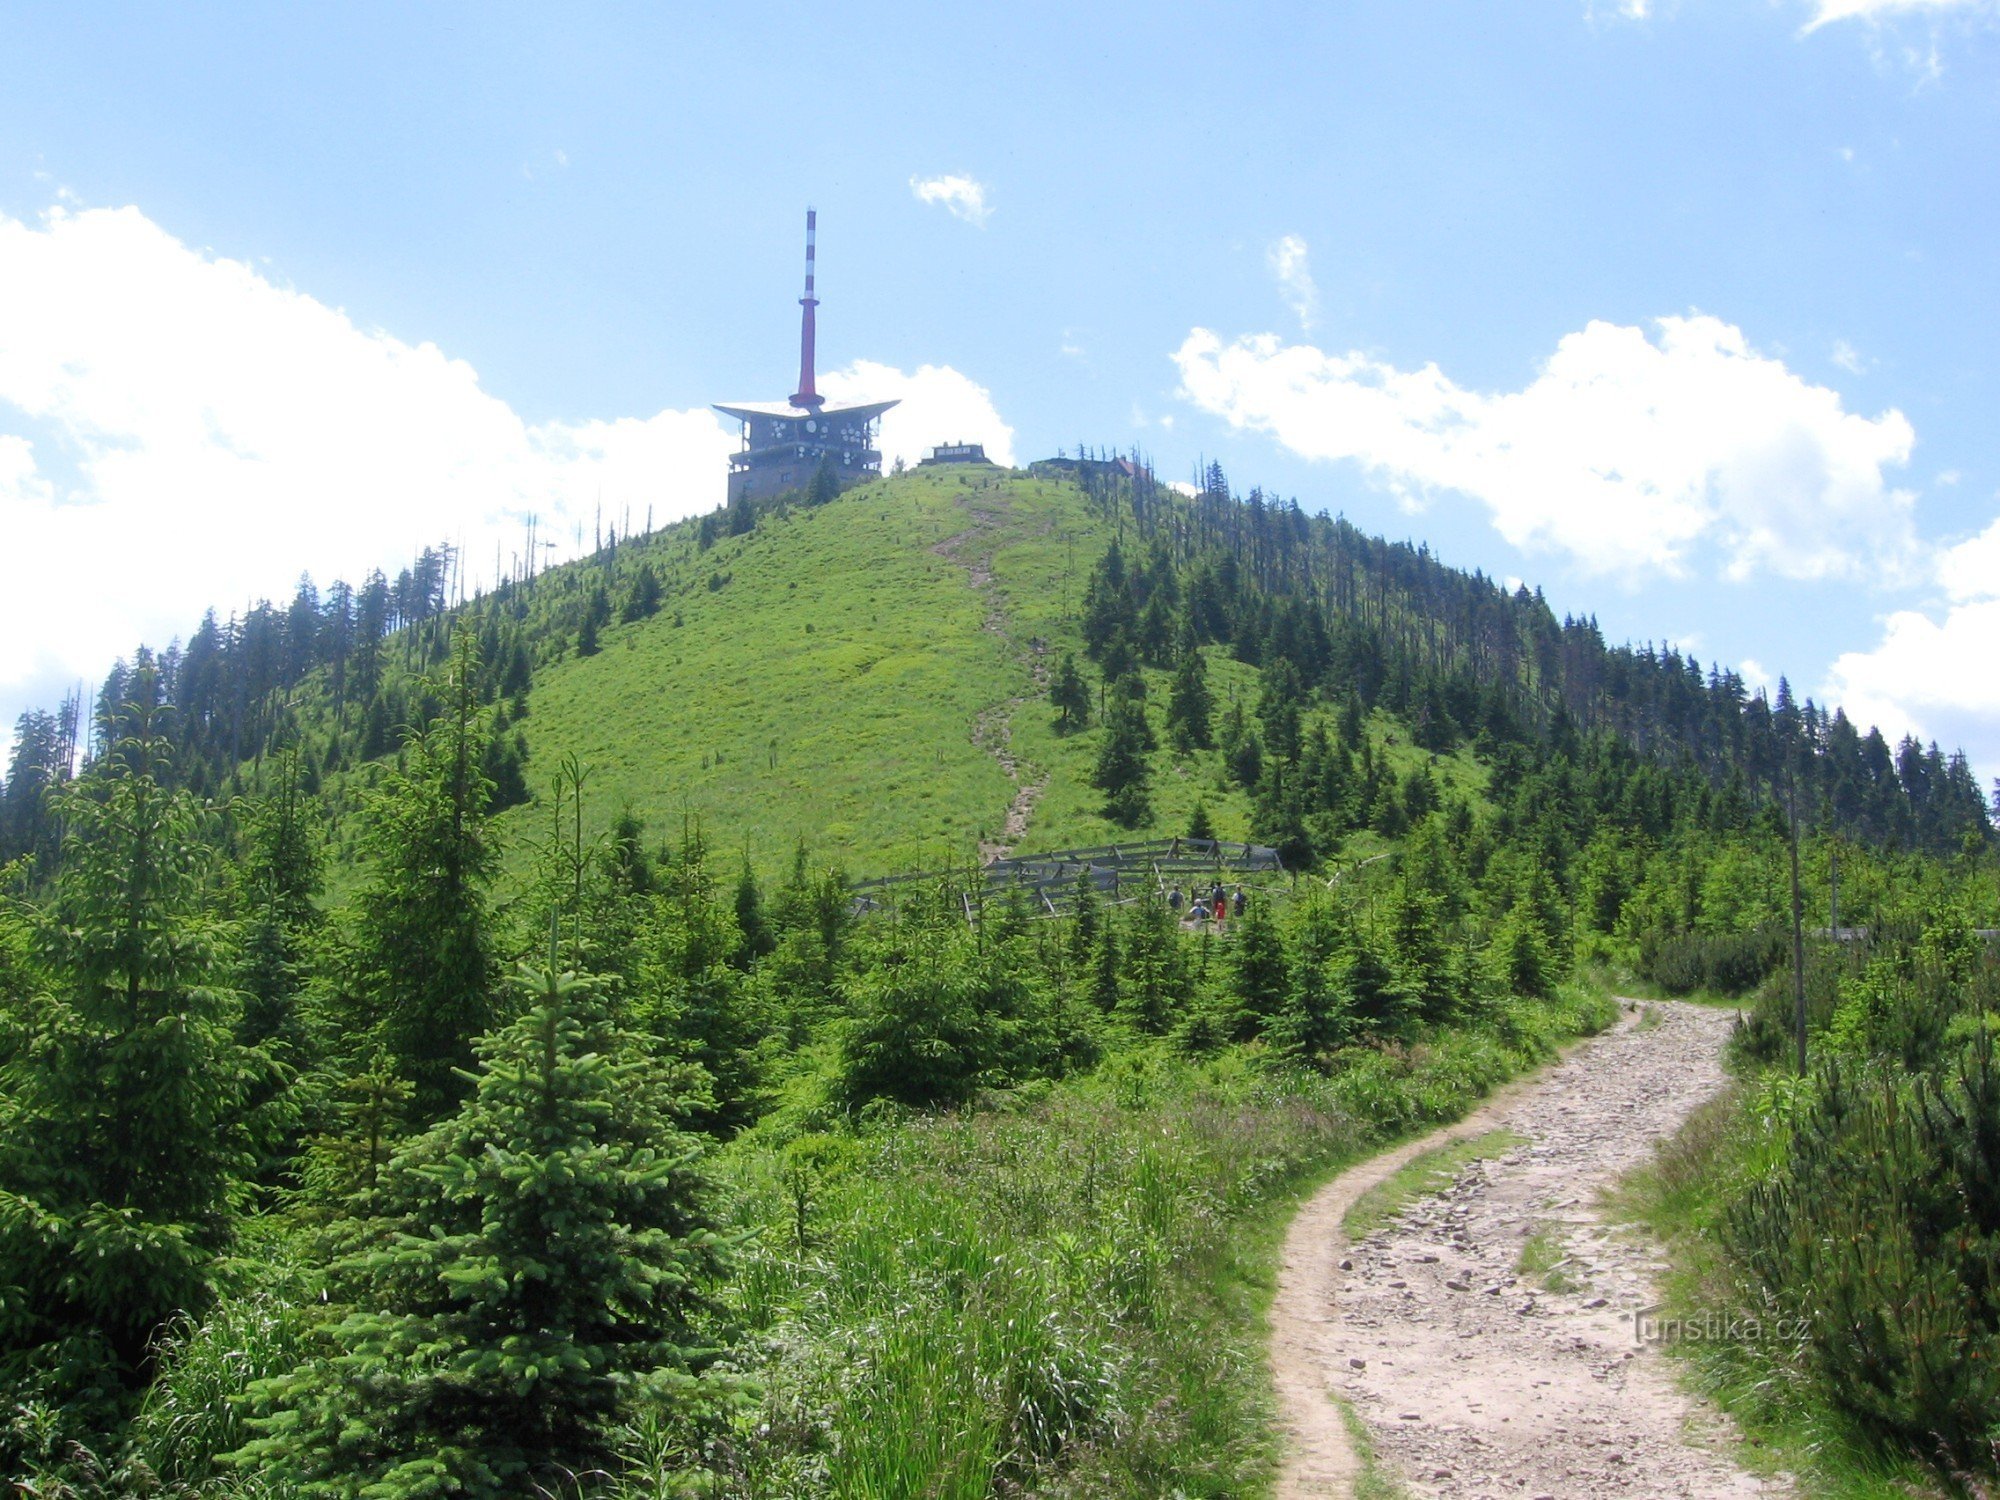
[(1200, 912), (1242, 902), (1174, 901)]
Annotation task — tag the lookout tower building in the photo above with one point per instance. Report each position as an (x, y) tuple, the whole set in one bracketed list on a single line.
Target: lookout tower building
[(785, 442)]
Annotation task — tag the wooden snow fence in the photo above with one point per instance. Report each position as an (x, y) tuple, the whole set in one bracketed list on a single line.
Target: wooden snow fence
[(1049, 882)]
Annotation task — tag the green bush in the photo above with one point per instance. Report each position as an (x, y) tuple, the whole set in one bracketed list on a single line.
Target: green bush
[(1730, 963), (1883, 1232)]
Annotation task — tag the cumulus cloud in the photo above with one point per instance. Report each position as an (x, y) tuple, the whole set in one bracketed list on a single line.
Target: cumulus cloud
[(939, 405), (177, 431), (1289, 263), (1933, 678), (964, 197), (1626, 451), (1932, 674)]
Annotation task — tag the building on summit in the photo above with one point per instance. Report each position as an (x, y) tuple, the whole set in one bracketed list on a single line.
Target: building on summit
[(786, 442), (955, 453)]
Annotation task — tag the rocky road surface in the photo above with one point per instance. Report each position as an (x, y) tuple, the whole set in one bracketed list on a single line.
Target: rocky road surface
[(1472, 1376)]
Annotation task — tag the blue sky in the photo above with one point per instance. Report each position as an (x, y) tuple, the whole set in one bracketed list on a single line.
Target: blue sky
[(1685, 312)]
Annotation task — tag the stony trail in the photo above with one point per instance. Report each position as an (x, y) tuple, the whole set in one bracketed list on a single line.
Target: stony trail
[(1473, 1378), (993, 728)]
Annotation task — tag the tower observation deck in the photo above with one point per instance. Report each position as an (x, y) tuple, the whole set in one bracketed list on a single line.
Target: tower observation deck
[(785, 442)]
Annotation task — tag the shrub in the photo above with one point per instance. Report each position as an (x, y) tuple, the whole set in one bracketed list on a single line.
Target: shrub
[(1882, 1230)]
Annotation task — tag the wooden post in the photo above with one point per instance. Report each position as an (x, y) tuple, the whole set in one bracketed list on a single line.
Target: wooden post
[(1798, 929)]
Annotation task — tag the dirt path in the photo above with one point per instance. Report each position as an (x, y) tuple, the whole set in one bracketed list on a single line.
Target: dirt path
[(993, 728), (1471, 1376)]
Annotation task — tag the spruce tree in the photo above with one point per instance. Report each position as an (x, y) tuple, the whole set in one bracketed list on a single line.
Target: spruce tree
[(420, 952), (825, 483), (643, 602), (1315, 1017), (1189, 705), (753, 928), (693, 998), (1121, 772), (1200, 825), (928, 1031), (1155, 987), (121, 1131), (281, 877), (1259, 978), (538, 1258), (1070, 696)]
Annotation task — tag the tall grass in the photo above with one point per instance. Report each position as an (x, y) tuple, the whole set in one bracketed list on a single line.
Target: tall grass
[(1056, 1298), (1057, 1294)]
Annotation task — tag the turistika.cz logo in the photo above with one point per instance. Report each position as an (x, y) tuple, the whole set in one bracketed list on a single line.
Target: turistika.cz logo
[(1709, 1326)]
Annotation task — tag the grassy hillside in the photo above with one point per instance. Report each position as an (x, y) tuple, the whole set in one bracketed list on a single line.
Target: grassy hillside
[(820, 680), (846, 674)]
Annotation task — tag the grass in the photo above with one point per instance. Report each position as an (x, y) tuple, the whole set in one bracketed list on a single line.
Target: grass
[(1062, 1293), (1373, 1482), (1066, 1295), (1422, 1176), (828, 688), (1542, 1260), (820, 677), (1680, 1196)]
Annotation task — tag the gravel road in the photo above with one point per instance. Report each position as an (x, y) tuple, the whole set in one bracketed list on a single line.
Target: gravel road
[(1472, 1377)]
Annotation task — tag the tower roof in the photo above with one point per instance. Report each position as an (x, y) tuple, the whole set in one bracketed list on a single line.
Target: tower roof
[(744, 411)]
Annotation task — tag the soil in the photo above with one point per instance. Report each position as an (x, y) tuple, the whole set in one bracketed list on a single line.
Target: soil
[(993, 726), (1471, 1376)]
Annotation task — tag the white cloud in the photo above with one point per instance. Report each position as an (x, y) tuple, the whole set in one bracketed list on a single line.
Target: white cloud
[(1288, 261), (187, 433), (1849, 358), (1935, 677), (1826, 12), (1971, 570), (939, 405), (963, 196), (1625, 451), (1929, 678), (178, 431)]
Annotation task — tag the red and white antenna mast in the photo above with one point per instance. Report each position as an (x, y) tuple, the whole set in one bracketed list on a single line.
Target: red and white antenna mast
[(807, 396)]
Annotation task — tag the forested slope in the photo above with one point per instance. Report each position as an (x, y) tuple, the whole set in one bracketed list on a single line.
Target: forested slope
[(850, 674), (384, 940)]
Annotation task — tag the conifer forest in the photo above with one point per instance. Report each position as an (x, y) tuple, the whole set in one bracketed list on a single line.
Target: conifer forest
[(444, 1050)]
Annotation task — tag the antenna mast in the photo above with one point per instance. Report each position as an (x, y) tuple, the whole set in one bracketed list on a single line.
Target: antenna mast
[(807, 396)]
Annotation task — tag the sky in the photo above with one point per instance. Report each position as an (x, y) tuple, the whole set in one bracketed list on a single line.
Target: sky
[(1685, 313)]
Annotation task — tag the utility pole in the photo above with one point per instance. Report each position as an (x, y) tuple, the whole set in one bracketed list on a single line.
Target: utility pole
[(1798, 926)]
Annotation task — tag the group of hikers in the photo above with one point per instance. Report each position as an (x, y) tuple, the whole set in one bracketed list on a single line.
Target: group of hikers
[(1203, 905)]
